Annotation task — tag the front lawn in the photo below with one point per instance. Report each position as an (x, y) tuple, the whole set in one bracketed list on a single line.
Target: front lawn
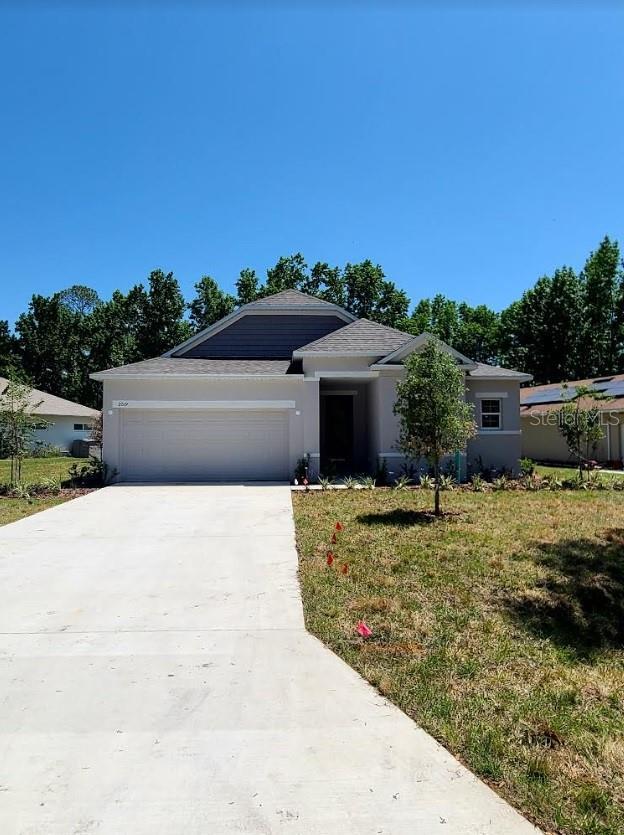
[(13, 509), (499, 629), (35, 469)]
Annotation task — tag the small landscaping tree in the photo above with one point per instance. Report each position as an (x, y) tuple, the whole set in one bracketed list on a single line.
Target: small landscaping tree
[(435, 418), (579, 424), (17, 424)]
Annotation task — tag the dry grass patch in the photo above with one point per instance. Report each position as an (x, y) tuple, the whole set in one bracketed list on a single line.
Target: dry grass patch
[(499, 628)]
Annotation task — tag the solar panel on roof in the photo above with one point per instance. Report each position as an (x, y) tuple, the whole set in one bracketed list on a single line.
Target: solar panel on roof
[(550, 396), (616, 388)]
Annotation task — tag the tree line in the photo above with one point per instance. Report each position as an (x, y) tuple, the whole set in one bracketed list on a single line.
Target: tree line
[(569, 325)]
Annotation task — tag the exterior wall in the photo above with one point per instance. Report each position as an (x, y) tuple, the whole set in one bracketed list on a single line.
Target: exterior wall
[(501, 448), (60, 431), (543, 442), (265, 336), (498, 449), (318, 364), (210, 389)]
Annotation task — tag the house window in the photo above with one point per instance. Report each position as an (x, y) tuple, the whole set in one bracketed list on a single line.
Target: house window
[(81, 427), (491, 414)]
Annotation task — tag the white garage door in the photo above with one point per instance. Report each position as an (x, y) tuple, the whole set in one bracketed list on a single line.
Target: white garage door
[(204, 445)]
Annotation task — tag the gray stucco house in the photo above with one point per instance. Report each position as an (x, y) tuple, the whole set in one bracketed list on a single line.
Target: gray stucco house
[(62, 422), (286, 377)]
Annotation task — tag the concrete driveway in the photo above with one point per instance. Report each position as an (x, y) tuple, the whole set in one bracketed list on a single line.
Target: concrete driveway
[(156, 679)]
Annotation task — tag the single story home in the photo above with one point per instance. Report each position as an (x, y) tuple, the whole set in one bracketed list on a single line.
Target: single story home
[(539, 410), (285, 378), (62, 422)]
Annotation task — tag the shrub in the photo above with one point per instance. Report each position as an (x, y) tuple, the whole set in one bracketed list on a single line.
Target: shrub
[(426, 482), (402, 482), (500, 483), (43, 450), (447, 482), (349, 482), (527, 467), (92, 474), (325, 483), (478, 483), (367, 482)]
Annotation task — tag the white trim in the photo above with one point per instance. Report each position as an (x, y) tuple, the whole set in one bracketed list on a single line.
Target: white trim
[(300, 354), (102, 376), (249, 310), (391, 455), (314, 454), (499, 431), (345, 392), (377, 366), (412, 344), (490, 395), (208, 405), (337, 375)]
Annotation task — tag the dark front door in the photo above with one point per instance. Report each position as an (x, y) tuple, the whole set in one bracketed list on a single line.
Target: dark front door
[(337, 434)]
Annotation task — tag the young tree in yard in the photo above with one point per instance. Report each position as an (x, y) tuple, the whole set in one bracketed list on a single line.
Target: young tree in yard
[(435, 418), (579, 423), (17, 423)]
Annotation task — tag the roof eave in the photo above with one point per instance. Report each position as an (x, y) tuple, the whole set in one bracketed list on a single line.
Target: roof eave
[(102, 376)]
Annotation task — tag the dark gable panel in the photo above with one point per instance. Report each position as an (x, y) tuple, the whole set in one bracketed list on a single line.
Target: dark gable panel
[(264, 337)]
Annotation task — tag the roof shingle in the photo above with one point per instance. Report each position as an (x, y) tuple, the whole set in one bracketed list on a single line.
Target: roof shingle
[(183, 365), (289, 298), (362, 336), (50, 404)]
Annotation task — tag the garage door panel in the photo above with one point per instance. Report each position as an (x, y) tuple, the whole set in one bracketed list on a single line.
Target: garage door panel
[(204, 445)]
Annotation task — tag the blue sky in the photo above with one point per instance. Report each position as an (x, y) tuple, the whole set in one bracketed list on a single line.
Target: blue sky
[(466, 150)]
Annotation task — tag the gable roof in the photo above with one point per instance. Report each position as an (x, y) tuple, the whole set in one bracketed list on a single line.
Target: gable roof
[(485, 371), (550, 396), (287, 301), (185, 367), (289, 298), (50, 404), (359, 337)]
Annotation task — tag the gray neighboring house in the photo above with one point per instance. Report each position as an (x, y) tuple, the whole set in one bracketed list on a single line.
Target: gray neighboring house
[(63, 422), (286, 377)]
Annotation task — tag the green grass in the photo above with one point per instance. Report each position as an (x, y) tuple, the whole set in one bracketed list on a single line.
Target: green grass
[(34, 469), (13, 509), (499, 629), (568, 472)]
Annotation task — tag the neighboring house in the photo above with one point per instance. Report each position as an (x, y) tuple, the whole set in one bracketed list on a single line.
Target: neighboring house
[(286, 377), (540, 405), (62, 422)]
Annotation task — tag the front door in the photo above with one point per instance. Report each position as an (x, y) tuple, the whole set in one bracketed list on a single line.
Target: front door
[(337, 434)]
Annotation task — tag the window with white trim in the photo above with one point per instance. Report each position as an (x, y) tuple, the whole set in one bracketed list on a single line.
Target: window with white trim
[(491, 413), (82, 427)]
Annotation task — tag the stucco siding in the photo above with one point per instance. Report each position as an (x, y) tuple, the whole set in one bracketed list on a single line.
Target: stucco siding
[(264, 336), (542, 441), (60, 431)]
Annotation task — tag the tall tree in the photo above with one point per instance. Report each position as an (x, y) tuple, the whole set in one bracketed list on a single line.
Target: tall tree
[(10, 361), (289, 273), (602, 279), (247, 290), (53, 343), (79, 299), (478, 333), (161, 324), (210, 304)]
